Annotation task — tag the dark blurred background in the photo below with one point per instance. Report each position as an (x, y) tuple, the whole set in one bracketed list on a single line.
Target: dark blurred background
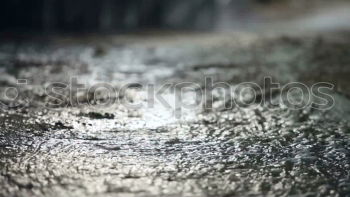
[(138, 15), (119, 15), (108, 15), (103, 15)]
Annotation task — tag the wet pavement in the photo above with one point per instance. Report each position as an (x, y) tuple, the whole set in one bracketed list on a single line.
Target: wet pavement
[(52, 146)]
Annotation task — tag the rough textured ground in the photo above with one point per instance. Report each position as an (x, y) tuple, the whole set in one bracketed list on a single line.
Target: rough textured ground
[(91, 150)]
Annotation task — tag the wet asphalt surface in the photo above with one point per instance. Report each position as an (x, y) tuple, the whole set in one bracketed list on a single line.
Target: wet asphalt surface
[(50, 146)]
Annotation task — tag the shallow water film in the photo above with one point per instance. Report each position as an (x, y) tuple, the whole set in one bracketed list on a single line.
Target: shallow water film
[(174, 98), (51, 146)]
